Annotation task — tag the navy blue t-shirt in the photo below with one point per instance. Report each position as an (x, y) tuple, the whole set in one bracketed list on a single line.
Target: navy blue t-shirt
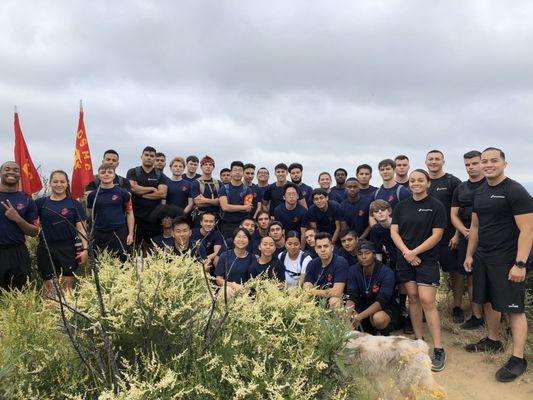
[(274, 194), (59, 218), (111, 204), (186, 178), (208, 242), (381, 238), (340, 251), (368, 192), (196, 251), (325, 221), (391, 195), (238, 269), (306, 192), (236, 196), (338, 195), (356, 214), (10, 233), (292, 220), (335, 272), (366, 290), (162, 242), (210, 192), (178, 192), (273, 269)]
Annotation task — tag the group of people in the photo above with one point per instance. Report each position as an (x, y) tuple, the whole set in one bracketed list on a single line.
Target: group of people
[(377, 251)]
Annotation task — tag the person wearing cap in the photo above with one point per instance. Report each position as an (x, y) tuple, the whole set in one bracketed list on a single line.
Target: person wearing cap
[(204, 191), (370, 292)]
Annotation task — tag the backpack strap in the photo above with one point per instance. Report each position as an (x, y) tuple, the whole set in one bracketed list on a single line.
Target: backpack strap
[(137, 174), (376, 193), (398, 191)]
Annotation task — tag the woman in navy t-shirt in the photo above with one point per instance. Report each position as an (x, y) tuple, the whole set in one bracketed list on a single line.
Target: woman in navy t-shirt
[(266, 265), (234, 265), (61, 224)]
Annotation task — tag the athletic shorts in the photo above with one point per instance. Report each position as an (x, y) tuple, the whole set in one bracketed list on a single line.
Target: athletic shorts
[(394, 314), (461, 255), (63, 259), (426, 274), (15, 266), (448, 259), (491, 285), (112, 241)]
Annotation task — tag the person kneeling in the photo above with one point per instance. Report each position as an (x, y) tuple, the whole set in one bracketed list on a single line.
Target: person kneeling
[(326, 275), (370, 290)]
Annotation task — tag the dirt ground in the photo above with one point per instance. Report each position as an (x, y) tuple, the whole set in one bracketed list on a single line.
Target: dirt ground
[(471, 376)]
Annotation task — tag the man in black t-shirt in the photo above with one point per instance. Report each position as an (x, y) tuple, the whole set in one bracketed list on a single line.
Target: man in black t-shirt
[(461, 215), (442, 187), (111, 158), (148, 188), (501, 235), (402, 170)]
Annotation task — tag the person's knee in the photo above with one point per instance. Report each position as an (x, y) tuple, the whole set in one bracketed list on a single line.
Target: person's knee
[(380, 320), (413, 298), (428, 303)]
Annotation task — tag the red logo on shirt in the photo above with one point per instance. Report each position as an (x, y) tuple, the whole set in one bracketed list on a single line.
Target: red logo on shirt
[(330, 278), (114, 197), (64, 211), (20, 206), (361, 213), (375, 288), (391, 198)]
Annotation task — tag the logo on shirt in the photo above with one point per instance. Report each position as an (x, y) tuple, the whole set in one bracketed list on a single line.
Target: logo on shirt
[(495, 196), (330, 278), (361, 213), (442, 188), (184, 189), (375, 289), (64, 211), (391, 198), (295, 219), (114, 197), (20, 206), (425, 209)]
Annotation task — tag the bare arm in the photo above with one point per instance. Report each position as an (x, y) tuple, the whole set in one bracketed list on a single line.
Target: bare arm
[(303, 203), (189, 207), (337, 231), (457, 223), (159, 194), (430, 242), (397, 239), (12, 214), (525, 239), (366, 232), (225, 206), (371, 310), (140, 190)]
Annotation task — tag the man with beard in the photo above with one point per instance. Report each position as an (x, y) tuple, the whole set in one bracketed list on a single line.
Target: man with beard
[(296, 170), (338, 191), (355, 210), (18, 217)]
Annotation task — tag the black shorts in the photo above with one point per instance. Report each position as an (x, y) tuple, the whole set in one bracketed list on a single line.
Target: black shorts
[(63, 259), (448, 259), (112, 241), (461, 255), (15, 266), (491, 285), (426, 274), (394, 313)]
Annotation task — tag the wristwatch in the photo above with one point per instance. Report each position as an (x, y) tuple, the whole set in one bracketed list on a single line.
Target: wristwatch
[(520, 264)]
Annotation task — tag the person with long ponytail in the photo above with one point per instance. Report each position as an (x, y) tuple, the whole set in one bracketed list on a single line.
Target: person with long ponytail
[(62, 224)]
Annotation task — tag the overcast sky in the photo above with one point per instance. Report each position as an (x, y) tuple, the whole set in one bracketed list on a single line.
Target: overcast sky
[(327, 83)]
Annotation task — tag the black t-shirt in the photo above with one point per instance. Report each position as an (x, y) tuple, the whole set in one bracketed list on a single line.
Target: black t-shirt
[(119, 181), (463, 197), (381, 238), (496, 207), (442, 189), (142, 207), (416, 220)]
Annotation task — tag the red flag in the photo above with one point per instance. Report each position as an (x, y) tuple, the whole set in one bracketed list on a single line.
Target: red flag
[(82, 174), (30, 182)]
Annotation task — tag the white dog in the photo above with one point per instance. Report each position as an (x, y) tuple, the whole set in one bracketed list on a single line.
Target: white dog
[(396, 365)]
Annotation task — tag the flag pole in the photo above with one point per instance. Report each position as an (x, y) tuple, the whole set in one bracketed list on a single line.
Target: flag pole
[(81, 106), (15, 107)]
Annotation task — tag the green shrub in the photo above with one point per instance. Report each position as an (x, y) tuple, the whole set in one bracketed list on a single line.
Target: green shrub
[(274, 344)]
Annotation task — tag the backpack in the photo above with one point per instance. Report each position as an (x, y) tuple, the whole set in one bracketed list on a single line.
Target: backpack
[(398, 190), (300, 258), (120, 181), (202, 183), (226, 186)]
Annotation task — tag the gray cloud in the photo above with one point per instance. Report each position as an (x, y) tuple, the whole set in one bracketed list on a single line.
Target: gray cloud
[(328, 84)]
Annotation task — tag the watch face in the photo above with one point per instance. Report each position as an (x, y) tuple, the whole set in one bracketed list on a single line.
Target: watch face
[(520, 264)]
